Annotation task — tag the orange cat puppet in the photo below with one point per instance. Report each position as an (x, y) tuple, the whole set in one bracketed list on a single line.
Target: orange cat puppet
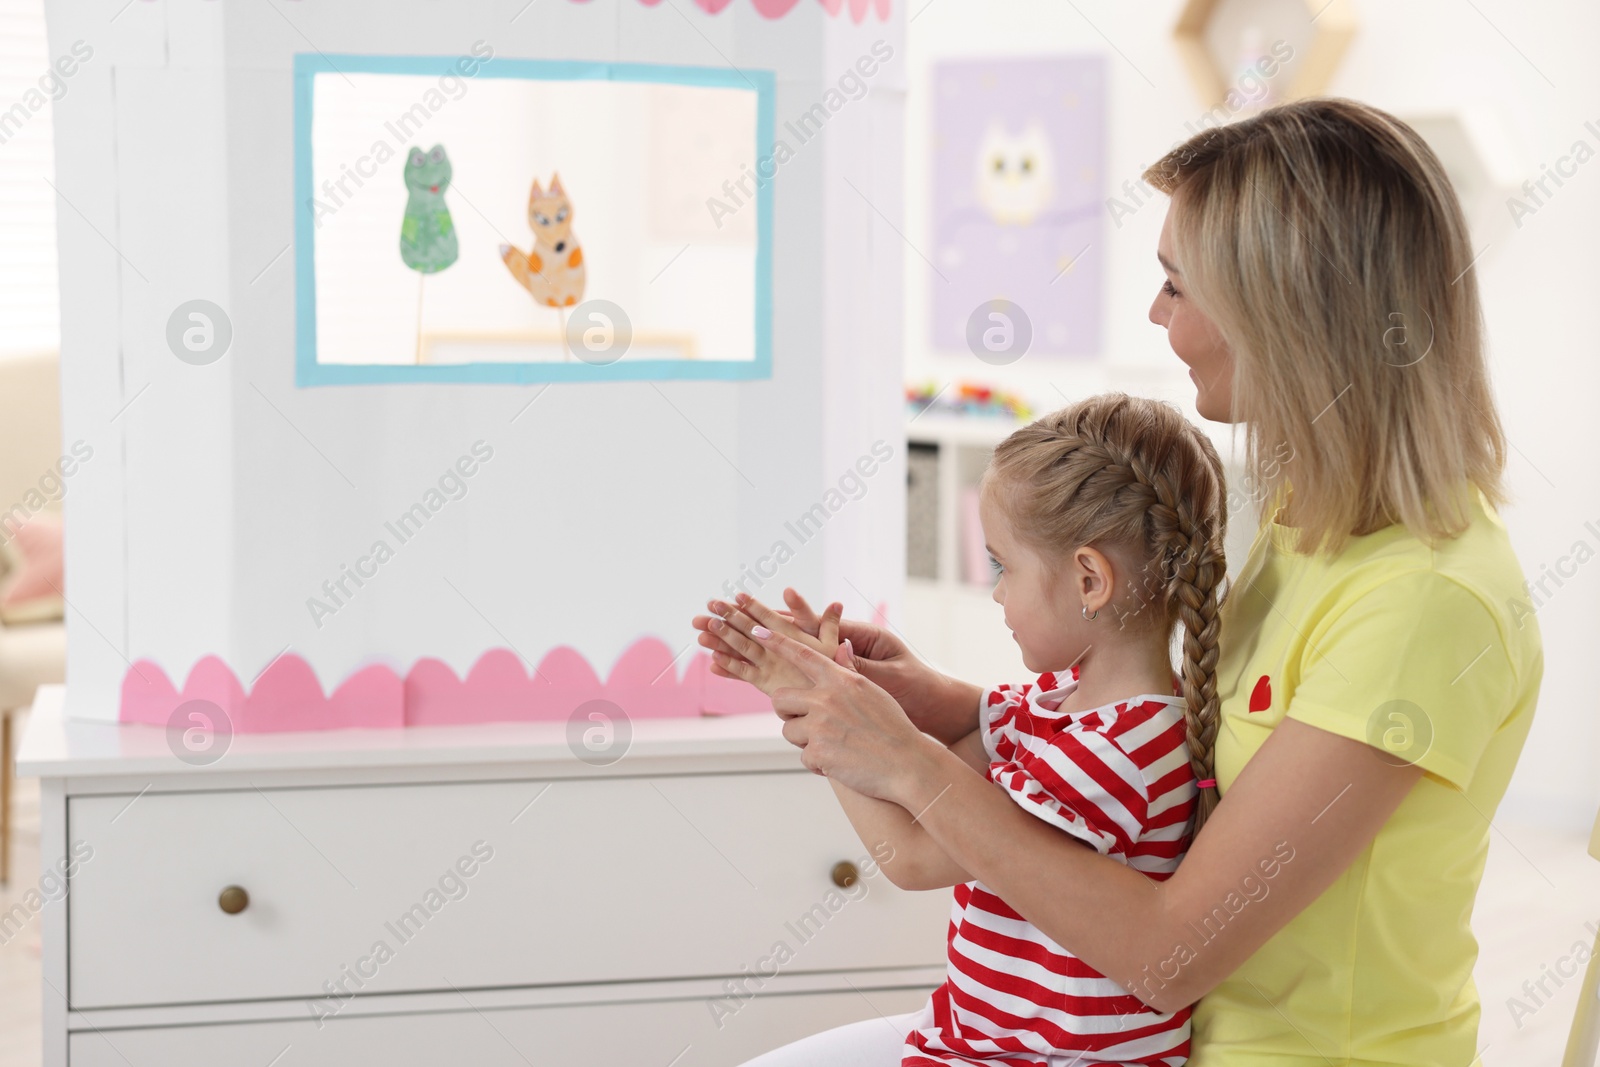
[(553, 273)]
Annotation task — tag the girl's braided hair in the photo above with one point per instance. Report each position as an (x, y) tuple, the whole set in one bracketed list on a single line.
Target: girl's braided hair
[(1134, 478)]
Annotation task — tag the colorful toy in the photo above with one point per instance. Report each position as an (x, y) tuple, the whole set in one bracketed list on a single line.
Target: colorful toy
[(427, 232), (968, 399), (553, 273)]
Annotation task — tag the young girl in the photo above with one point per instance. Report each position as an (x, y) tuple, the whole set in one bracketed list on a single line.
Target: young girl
[(1105, 521)]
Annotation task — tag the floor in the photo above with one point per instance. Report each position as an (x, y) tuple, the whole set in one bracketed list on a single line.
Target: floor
[(19, 949), (1540, 894)]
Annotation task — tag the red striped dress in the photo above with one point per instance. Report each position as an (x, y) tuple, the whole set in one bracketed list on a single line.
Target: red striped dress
[(1117, 778)]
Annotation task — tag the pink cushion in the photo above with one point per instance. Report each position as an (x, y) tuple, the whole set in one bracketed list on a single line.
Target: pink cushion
[(32, 588)]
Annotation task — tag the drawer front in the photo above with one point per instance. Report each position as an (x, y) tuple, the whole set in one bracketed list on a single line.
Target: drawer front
[(382, 889), (681, 1033)]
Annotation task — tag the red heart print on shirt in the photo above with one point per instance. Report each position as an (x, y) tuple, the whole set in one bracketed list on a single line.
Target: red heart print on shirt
[(1261, 695)]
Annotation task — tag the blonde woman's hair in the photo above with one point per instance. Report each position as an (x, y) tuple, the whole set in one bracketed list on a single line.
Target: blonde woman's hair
[(1324, 241), (1135, 479)]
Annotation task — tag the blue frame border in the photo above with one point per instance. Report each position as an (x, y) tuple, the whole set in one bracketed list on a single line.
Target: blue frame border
[(309, 372)]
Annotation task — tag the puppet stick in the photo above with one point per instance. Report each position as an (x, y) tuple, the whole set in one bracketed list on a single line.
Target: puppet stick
[(566, 348), (420, 277)]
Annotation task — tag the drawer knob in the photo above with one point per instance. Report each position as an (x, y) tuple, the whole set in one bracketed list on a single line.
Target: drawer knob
[(233, 899), (844, 874)]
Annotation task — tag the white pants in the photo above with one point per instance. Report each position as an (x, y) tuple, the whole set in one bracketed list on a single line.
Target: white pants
[(875, 1042)]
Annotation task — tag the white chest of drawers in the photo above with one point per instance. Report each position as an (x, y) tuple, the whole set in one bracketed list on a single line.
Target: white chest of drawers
[(457, 895)]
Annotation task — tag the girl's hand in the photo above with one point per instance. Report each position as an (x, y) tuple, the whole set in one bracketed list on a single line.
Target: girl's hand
[(736, 655), (940, 705), (801, 615), (807, 622)]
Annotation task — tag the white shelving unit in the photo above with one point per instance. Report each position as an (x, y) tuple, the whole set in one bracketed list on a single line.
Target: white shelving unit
[(952, 622)]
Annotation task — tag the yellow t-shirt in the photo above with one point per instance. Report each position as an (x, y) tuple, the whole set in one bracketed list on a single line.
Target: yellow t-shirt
[(1434, 656)]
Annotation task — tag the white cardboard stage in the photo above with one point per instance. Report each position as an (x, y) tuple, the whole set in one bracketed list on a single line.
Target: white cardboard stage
[(223, 498)]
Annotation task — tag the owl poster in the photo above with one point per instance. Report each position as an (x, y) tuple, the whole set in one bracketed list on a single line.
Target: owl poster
[(1019, 177)]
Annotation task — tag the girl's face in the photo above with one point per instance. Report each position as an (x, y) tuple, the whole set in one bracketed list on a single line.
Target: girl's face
[(1193, 337), (1042, 604)]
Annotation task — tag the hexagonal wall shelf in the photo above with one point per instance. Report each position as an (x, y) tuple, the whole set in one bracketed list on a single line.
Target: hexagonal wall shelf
[(1479, 153), (1221, 40)]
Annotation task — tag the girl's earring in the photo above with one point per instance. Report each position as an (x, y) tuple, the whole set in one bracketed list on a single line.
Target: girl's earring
[(1086, 613)]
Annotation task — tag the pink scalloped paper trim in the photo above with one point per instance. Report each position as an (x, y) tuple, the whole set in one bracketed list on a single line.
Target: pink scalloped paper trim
[(287, 695), (858, 8), (776, 9)]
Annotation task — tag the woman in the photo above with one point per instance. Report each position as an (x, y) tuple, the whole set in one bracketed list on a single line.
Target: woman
[(1375, 689)]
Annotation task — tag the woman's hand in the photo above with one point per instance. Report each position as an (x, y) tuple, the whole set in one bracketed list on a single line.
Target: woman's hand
[(847, 728), (938, 704)]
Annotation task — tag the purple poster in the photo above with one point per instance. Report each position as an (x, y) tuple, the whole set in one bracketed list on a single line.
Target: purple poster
[(1019, 151)]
